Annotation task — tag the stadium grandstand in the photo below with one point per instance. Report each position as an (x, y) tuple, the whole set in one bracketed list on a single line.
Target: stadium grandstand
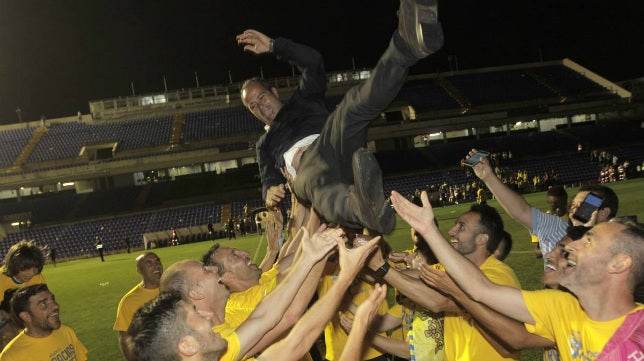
[(141, 166)]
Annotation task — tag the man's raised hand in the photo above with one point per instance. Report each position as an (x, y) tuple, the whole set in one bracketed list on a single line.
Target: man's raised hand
[(322, 242), (274, 195), (352, 260), (419, 218), (253, 41)]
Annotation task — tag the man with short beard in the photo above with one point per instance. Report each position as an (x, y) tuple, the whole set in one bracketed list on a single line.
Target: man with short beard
[(603, 269), (475, 235), (44, 337)]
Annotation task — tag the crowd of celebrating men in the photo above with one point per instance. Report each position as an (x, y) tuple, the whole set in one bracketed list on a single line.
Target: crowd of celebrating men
[(456, 298)]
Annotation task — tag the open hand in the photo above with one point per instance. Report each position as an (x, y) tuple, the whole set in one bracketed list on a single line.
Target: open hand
[(253, 41)]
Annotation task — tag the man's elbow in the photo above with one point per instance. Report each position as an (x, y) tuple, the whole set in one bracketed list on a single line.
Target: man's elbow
[(508, 352)]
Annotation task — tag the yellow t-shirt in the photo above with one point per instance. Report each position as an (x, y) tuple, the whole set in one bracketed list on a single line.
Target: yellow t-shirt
[(130, 303), (7, 283), (463, 341), (334, 336), (559, 317), (241, 304), (425, 336), (228, 333), (480, 195), (62, 344), (423, 331)]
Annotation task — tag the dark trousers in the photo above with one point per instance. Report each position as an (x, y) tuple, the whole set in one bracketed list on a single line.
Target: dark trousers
[(325, 176)]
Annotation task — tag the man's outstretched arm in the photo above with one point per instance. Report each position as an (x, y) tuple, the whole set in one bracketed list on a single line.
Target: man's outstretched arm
[(308, 60), (413, 288), (511, 201), (510, 335), (300, 301), (379, 324), (364, 315), (271, 309), (309, 327), (504, 299)]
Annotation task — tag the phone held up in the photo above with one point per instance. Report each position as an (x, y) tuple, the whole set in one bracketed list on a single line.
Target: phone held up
[(590, 204), (474, 159)]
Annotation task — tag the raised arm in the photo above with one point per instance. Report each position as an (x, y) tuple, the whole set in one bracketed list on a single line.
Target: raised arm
[(300, 302), (413, 288), (383, 344), (504, 333), (308, 60), (274, 226), (271, 309), (380, 323), (506, 300), (309, 327), (511, 201), (292, 246), (363, 317)]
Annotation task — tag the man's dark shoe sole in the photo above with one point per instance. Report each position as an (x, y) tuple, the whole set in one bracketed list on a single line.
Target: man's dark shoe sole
[(418, 25)]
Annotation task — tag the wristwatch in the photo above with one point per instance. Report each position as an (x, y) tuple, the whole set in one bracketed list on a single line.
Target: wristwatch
[(271, 45), (382, 271)]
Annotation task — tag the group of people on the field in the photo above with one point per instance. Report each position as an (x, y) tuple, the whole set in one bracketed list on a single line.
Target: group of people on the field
[(457, 299)]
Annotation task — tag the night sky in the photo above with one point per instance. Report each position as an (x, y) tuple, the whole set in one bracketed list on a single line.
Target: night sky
[(56, 55)]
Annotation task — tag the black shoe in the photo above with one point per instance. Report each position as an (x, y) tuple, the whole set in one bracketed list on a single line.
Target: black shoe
[(418, 25)]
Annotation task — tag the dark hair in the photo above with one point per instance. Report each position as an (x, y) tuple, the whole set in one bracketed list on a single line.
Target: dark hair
[(208, 261), (576, 232), (491, 224), (506, 241), (20, 299), (21, 256), (157, 327), (423, 248), (630, 241), (610, 198), (557, 191), (5, 305)]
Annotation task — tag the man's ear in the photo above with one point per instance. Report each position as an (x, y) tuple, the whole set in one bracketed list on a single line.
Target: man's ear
[(620, 263), (227, 278), (195, 294), (275, 92), (602, 214), (25, 316), (482, 239), (188, 346)]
